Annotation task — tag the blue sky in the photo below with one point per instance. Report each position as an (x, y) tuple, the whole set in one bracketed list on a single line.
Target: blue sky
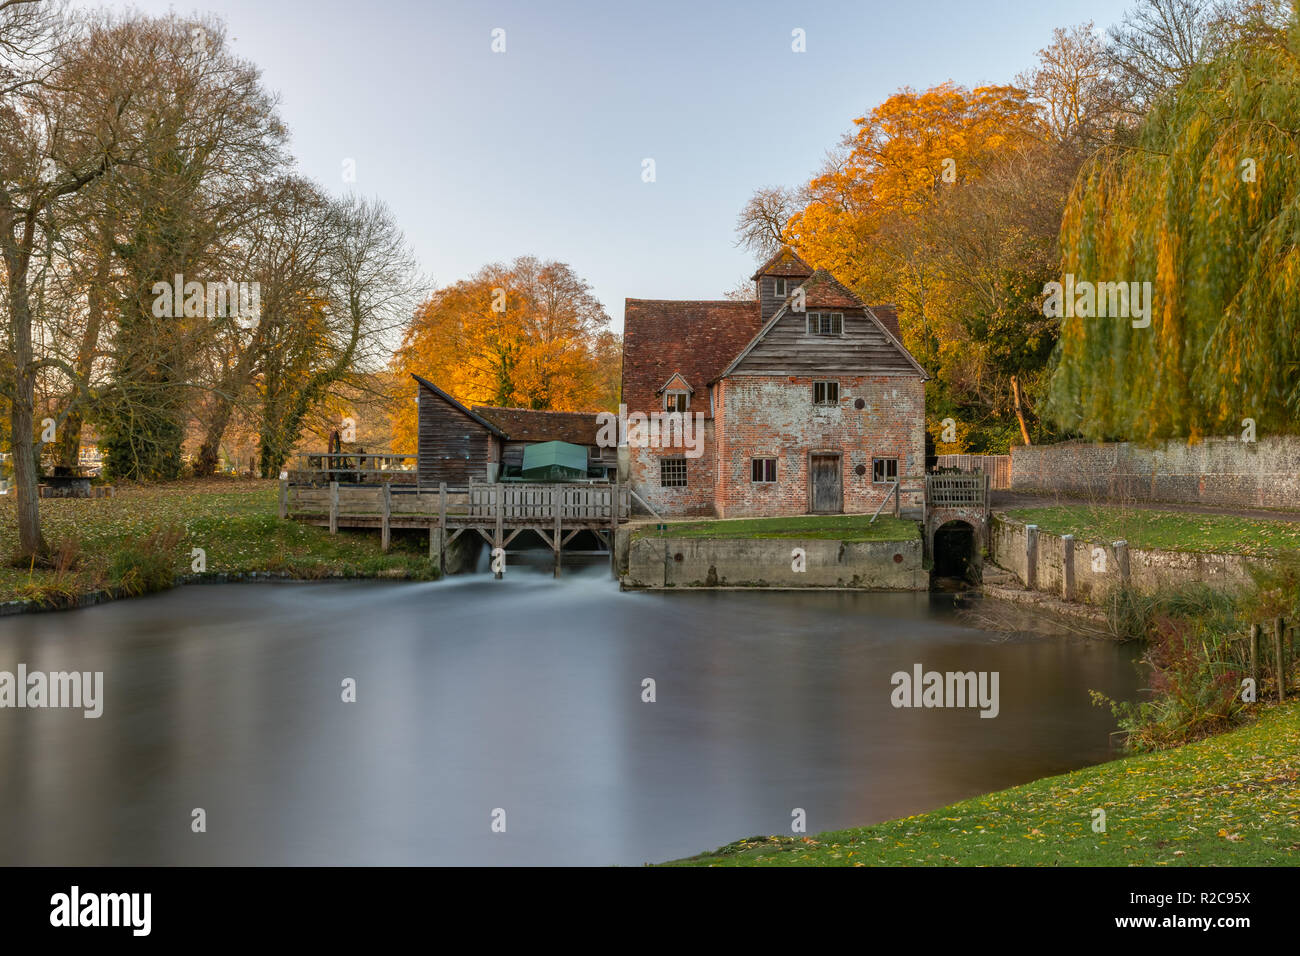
[(538, 150)]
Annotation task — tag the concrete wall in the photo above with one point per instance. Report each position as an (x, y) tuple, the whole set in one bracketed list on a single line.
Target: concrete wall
[(1216, 471), (654, 562), (1096, 573)]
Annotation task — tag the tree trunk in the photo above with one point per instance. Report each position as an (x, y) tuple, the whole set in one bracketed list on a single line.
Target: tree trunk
[(31, 543), (1020, 415)]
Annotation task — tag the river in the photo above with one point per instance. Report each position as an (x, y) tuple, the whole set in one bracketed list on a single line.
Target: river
[(476, 696)]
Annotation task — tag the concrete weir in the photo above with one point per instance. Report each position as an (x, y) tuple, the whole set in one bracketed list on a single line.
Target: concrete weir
[(668, 562)]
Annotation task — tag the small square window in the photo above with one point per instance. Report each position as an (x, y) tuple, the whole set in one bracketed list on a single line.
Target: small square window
[(764, 470), (672, 472), (884, 469), (676, 401), (779, 288), (826, 393), (825, 323)]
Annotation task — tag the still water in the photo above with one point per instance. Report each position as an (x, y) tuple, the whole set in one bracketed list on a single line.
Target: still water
[(523, 695)]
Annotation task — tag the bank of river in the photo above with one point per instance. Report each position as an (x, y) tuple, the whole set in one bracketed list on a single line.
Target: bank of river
[(523, 695)]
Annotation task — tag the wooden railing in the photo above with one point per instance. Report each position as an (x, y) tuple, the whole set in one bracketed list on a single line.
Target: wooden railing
[(575, 502), (354, 468), (957, 491), (997, 467)]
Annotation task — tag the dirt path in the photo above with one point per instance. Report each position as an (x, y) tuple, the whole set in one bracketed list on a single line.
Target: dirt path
[(1005, 500)]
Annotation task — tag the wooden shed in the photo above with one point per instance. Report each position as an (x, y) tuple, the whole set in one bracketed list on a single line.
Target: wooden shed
[(455, 443)]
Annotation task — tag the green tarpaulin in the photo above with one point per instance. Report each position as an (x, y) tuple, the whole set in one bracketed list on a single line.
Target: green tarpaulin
[(554, 461)]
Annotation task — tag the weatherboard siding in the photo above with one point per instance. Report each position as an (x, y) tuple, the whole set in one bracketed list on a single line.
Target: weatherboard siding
[(788, 348)]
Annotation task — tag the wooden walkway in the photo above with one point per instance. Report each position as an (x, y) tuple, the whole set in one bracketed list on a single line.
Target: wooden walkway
[(498, 512)]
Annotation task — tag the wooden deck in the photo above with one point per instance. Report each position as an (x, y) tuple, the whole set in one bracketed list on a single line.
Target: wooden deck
[(498, 512)]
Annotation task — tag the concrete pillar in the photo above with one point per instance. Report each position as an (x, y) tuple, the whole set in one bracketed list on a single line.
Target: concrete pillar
[(1067, 567), (1031, 557), (1121, 559)]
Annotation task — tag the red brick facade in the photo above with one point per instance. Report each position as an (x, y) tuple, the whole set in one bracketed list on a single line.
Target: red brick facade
[(751, 368)]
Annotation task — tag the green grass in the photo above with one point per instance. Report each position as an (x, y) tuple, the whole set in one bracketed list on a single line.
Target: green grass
[(1166, 530), (833, 527), (235, 522), (1231, 800)]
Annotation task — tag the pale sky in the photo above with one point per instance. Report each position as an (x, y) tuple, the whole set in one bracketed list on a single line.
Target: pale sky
[(484, 156)]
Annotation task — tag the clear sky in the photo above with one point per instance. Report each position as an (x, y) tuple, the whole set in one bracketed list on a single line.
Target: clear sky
[(484, 156)]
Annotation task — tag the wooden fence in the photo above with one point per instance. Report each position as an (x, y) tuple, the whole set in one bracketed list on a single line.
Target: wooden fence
[(539, 501), (957, 491)]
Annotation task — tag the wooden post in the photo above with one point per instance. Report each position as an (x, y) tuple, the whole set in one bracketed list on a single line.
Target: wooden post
[(1254, 657), (334, 507), (442, 528), (385, 528), (559, 526), (499, 539), (1067, 567), (1279, 628), (613, 526), (284, 498), (1031, 557), (1121, 558)]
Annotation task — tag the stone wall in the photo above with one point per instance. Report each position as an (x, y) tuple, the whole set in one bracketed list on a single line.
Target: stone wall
[(1098, 564), (654, 562), (1216, 471)]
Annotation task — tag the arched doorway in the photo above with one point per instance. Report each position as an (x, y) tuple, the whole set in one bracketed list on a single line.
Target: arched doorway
[(956, 551)]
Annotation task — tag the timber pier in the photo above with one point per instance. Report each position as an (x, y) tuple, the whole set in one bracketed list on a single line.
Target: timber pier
[(374, 491)]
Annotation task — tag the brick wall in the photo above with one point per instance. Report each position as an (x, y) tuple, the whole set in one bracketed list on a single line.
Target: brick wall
[(1217, 471), (774, 417), (694, 499)]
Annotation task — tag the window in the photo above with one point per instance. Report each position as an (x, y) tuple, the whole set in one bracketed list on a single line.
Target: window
[(764, 470), (672, 472), (884, 469), (825, 323), (826, 393), (676, 401), (778, 288)]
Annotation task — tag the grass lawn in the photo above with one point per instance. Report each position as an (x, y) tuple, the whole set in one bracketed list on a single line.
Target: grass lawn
[(1227, 800), (234, 521), (1166, 530), (834, 527)]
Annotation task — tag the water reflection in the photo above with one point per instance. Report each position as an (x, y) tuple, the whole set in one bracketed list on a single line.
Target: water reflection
[(525, 695)]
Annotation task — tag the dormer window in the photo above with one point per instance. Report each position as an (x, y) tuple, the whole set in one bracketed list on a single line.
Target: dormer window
[(779, 288), (825, 323), (676, 401)]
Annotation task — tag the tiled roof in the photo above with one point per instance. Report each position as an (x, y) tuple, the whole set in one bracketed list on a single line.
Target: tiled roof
[(823, 291), (694, 339), (785, 262), (530, 425), (888, 316)]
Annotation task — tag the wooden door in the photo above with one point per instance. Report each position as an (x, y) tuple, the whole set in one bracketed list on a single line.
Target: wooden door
[(827, 492)]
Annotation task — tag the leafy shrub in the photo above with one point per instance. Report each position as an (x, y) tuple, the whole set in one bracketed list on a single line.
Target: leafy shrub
[(147, 564)]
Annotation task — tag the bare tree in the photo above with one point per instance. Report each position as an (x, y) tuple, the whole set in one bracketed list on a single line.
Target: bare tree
[(760, 226), (1074, 87)]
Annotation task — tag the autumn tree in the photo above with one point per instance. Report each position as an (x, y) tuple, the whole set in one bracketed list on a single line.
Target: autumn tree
[(527, 335)]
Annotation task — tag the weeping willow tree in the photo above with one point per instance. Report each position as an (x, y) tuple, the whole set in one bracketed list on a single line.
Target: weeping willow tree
[(1205, 207)]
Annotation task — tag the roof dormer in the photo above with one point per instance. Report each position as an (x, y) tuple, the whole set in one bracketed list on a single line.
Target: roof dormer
[(777, 278)]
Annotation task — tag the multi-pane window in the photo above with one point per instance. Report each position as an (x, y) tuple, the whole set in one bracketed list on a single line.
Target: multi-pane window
[(884, 469), (672, 472), (764, 470), (676, 401), (778, 288), (825, 323), (826, 393)]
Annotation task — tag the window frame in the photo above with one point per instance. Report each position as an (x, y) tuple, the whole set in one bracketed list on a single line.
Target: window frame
[(672, 460), (886, 480), (826, 402), (780, 287), (684, 395), (833, 319), (753, 468)]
